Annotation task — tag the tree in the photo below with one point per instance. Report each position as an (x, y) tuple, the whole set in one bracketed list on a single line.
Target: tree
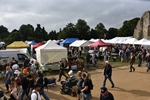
[(112, 32), (128, 27), (93, 34), (82, 29), (71, 30), (14, 36), (43, 34), (53, 35), (100, 29), (3, 32), (26, 31), (37, 31)]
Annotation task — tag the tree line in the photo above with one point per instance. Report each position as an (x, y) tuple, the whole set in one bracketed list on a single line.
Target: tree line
[(79, 30)]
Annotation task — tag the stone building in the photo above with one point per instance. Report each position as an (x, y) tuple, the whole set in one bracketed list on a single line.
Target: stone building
[(142, 30)]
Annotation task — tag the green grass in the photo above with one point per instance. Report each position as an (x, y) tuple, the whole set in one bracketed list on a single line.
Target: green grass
[(99, 65)]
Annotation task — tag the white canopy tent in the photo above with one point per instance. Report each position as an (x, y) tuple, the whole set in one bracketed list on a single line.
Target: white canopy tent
[(118, 40), (80, 43), (130, 41), (147, 43), (141, 42), (93, 40), (77, 43), (50, 52)]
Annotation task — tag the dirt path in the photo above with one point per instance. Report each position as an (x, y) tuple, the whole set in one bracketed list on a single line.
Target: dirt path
[(128, 86)]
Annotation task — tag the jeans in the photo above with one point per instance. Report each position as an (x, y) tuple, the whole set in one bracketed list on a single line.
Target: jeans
[(148, 65), (105, 78), (44, 95), (86, 96), (22, 94), (139, 62)]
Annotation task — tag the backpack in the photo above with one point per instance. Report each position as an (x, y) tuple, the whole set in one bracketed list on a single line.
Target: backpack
[(90, 84)]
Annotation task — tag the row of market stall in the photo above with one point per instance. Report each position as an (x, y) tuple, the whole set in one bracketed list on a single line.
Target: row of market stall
[(51, 52)]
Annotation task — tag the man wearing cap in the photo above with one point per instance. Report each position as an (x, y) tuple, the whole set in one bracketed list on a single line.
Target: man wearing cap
[(35, 95), (105, 94), (108, 74)]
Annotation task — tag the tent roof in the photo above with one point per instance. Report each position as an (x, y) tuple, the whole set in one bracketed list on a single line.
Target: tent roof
[(37, 45), (51, 45), (30, 42), (99, 43), (117, 40), (140, 42), (93, 40), (130, 41), (77, 43), (69, 40), (146, 43), (18, 44)]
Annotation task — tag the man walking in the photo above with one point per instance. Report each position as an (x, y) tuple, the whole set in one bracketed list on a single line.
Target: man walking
[(24, 84), (62, 72), (86, 92), (79, 84), (132, 60), (40, 80), (35, 95), (108, 74)]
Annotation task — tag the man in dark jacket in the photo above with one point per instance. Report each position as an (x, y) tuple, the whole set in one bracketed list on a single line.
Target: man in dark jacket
[(24, 84), (108, 74), (40, 80), (132, 60), (62, 72), (105, 94)]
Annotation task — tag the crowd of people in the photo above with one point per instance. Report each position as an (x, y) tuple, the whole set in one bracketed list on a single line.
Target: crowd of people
[(26, 80)]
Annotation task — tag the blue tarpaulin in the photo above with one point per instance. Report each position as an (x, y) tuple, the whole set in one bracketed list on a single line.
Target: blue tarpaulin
[(68, 41)]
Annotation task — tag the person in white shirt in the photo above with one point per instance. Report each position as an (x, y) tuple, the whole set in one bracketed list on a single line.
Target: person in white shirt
[(35, 95), (15, 67)]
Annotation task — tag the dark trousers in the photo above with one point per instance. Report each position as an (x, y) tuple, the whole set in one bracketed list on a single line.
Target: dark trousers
[(139, 62), (7, 87), (110, 79), (62, 72), (131, 67), (22, 94)]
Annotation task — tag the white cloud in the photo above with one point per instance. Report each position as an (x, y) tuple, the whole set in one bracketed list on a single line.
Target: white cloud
[(55, 14)]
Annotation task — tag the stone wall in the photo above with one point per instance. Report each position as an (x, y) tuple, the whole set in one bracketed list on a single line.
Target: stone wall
[(142, 30)]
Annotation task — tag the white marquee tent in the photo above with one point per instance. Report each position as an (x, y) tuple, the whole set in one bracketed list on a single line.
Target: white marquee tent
[(50, 52), (130, 41), (141, 42), (93, 40), (147, 43), (118, 40), (80, 43)]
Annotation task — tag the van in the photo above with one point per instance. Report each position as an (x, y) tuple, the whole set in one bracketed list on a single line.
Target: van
[(7, 55)]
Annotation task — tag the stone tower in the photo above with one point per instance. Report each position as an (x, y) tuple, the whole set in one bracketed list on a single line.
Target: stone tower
[(142, 29)]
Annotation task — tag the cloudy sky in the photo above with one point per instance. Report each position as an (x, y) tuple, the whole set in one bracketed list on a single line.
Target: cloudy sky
[(56, 14)]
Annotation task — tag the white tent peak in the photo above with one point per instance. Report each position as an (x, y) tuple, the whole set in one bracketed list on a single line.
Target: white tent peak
[(50, 45)]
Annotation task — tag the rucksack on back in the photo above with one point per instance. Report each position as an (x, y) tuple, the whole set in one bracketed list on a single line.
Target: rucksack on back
[(90, 84)]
